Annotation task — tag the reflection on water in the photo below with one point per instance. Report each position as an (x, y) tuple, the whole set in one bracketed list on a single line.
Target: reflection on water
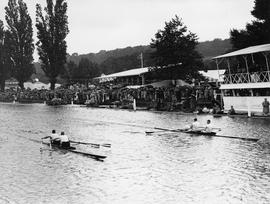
[(159, 168)]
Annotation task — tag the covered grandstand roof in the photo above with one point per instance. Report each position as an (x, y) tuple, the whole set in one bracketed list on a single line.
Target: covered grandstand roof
[(246, 51), (131, 72)]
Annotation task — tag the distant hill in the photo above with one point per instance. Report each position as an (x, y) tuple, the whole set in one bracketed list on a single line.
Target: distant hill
[(208, 49), (213, 48), (128, 58)]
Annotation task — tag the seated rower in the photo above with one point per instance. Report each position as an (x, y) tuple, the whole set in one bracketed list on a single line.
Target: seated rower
[(208, 127), (54, 138), (195, 126), (64, 141)]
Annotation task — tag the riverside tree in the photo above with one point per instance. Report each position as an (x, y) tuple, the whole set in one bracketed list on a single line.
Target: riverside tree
[(3, 67), (175, 49), (52, 30), (19, 40), (258, 31), (86, 70)]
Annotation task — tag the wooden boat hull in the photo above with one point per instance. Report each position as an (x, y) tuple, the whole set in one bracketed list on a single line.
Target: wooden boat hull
[(199, 132), (73, 150)]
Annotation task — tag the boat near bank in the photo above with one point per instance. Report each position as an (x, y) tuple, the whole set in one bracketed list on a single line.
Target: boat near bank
[(246, 82)]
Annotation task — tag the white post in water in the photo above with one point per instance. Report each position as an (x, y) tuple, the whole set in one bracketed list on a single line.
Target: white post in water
[(72, 102), (249, 108), (134, 104)]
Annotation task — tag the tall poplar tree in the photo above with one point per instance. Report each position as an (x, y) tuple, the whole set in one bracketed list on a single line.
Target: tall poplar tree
[(19, 40), (175, 48), (52, 30), (3, 67)]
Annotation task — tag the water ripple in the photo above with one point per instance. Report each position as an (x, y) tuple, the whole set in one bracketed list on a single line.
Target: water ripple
[(159, 168)]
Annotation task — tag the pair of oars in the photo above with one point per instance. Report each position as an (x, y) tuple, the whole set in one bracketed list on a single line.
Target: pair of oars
[(185, 131)]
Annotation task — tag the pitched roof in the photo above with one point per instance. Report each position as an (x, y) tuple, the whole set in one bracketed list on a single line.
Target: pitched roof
[(131, 72), (246, 51)]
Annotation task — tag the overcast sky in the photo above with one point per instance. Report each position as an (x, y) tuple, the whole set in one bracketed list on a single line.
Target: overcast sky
[(109, 24)]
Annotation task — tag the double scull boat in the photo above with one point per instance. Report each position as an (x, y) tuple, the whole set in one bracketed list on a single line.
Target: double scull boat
[(73, 150)]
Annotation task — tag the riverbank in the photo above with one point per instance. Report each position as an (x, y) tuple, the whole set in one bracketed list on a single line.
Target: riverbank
[(185, 98)]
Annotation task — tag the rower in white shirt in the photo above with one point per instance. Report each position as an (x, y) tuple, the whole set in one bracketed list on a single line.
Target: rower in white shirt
[(195, 126), (208, 127), (64, 141), (54, 138)]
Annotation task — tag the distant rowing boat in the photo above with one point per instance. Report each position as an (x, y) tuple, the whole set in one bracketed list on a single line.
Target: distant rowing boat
[(212, 134), (199, 132), (73, 150)]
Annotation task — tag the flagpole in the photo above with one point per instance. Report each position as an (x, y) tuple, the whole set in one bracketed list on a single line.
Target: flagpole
[(142, 60)]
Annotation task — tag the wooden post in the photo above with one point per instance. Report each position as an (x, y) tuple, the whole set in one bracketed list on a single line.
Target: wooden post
[(134, 104), (249, 108), (229, 68), (143, 79), (245, 58), (265, 54), (217, 67)]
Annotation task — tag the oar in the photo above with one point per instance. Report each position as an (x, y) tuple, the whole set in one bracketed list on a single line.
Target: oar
[(224, 136), (150, 132), (92, 144)]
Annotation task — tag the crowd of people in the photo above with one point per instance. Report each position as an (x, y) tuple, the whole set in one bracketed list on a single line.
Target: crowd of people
[(183, 98)]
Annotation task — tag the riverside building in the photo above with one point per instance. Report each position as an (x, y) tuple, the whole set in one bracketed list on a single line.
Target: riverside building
[(246, 82)]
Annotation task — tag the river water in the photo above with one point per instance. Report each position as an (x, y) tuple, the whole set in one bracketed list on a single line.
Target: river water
[(162, 167)]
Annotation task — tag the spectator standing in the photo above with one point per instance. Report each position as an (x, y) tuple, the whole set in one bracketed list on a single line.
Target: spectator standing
[(265, 105)]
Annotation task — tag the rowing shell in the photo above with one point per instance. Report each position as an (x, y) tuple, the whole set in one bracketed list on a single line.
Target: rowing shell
[(73, 150), (213, 134), (198, 132)]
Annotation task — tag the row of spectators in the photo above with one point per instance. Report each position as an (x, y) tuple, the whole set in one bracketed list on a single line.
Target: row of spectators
[(184, 98)]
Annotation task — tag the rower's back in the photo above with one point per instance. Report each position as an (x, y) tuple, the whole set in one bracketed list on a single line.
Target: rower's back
[(64, 140), (208, 127), (55, 138), (195, 125)]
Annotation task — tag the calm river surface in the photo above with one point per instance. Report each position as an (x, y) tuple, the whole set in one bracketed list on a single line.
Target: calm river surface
[(158, 168)]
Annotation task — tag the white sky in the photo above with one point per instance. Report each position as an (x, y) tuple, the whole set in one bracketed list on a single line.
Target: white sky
[(109, 24)]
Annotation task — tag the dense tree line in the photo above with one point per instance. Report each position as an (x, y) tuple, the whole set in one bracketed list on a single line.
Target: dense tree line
[(258, 31), (173, 46)]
